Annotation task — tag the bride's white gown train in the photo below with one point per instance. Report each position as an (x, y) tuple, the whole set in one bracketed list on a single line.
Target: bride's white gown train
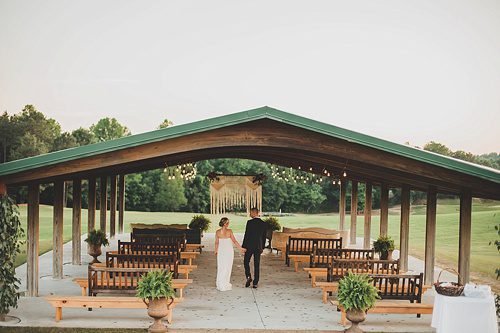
[(225, 258)]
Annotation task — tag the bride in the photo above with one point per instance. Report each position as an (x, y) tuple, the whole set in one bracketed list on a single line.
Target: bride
[(224, 239)]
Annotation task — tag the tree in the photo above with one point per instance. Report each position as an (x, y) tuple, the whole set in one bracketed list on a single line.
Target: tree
[(438, 148), (64, 141), (165, 123), (33, 133), (108, 129), (83, 136)]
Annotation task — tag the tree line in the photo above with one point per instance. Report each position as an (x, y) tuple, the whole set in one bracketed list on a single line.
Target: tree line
[(30, 133)]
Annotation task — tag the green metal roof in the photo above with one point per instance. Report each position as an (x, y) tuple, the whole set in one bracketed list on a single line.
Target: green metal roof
[(239, 118)]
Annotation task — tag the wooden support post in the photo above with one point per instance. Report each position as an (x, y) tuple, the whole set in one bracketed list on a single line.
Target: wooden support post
[(57, 236), (91, 204), (121, 202), (76, 230), (354, 210), (464, 239), (384, 209), (342, 201), (430, 235), (368, 216), (104, 202), (3, 189), (404, 231), (112, 207), (33, 240)]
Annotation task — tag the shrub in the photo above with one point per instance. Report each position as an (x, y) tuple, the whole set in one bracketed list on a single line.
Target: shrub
[(97, 237), (383, 244), (156, 284), (273, 223), (356, 292), (200, 222), (10, 232)]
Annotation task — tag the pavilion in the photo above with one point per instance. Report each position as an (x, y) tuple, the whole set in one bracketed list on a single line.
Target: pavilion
[(263, 134)]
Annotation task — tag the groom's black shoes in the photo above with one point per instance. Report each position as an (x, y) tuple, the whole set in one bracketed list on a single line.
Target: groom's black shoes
[(254, 286), (247, 284)]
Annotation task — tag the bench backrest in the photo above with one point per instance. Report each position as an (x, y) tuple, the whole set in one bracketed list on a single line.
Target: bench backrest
[(119, 260), (324, 257), (114, 280), (157, 226), (307, 245), (402, 287), (339, 267), (151, 248), (193, 236)]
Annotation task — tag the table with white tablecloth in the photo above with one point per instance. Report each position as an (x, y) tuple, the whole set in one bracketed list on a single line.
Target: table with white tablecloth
[(464, 314)]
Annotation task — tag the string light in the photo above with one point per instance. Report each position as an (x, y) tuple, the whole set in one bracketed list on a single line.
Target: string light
[(185, 171), (289, 174)]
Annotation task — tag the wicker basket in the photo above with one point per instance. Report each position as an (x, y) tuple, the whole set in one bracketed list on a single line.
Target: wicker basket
[(455, 289)]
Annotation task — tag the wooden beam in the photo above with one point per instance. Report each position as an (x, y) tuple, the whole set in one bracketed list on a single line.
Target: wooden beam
[(76, 227), (342, 203), (464, 239), (384, 209), (121, 202), (104, 202), (91, 204), (368, 216), (354, 211), (33, 240), (430, 235), (57, 236), (404, 231), (112, 207)]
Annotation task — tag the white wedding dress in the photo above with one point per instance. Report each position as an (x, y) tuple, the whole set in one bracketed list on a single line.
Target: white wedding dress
[(225, 258)]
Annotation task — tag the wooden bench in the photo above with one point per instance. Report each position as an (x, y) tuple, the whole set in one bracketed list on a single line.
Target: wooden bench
[(300, 249), (181, 269), (192, 236), (91, 302), (194, 247), (321, 259), (178, 284), (397, 287), (340, 267), (174, 246)]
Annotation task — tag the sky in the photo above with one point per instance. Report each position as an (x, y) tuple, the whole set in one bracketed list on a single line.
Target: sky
[(404, 71)]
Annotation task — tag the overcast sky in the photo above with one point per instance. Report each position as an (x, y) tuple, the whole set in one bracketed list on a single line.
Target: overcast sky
[(411, 71)]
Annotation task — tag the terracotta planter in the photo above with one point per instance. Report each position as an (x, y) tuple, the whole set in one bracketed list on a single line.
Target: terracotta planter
[(355, 317), (386, 255), (94, 250), (158, 309)]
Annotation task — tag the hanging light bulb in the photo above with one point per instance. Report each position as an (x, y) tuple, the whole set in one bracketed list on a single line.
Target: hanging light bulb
[(344, 174)]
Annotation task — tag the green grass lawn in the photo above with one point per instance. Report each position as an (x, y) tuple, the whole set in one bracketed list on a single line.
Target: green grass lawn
[(484, 258)]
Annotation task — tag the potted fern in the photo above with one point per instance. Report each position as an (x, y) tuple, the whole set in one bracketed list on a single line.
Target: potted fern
[(356, 295), (384, 245), (272, 225), (95, 239), (156, 291), (200, 222)]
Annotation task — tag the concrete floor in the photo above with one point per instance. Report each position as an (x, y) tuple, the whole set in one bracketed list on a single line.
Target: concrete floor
[(284, 301)]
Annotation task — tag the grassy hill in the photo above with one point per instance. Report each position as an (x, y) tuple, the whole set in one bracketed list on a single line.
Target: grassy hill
[(484, 258)]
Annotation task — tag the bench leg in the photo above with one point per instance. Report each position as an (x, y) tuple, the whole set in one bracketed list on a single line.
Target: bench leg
[(180, 292), (343, 318), (187, 275), (313, 280), (325, 296), (169, 316), (84, 291), (58, 313), (296, 265)]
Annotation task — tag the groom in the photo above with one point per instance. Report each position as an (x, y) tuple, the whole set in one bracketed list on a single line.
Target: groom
[(253, 242)]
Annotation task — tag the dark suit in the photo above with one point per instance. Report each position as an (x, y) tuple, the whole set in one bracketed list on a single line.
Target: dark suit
[(253, 242)]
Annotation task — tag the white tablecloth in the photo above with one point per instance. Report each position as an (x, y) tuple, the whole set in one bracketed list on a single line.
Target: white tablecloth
[(464, 314)]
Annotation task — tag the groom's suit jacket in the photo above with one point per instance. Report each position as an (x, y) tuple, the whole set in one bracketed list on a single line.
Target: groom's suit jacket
[(255, 234)]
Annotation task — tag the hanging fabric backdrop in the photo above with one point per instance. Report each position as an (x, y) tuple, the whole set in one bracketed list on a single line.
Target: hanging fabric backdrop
[(234, 192)]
